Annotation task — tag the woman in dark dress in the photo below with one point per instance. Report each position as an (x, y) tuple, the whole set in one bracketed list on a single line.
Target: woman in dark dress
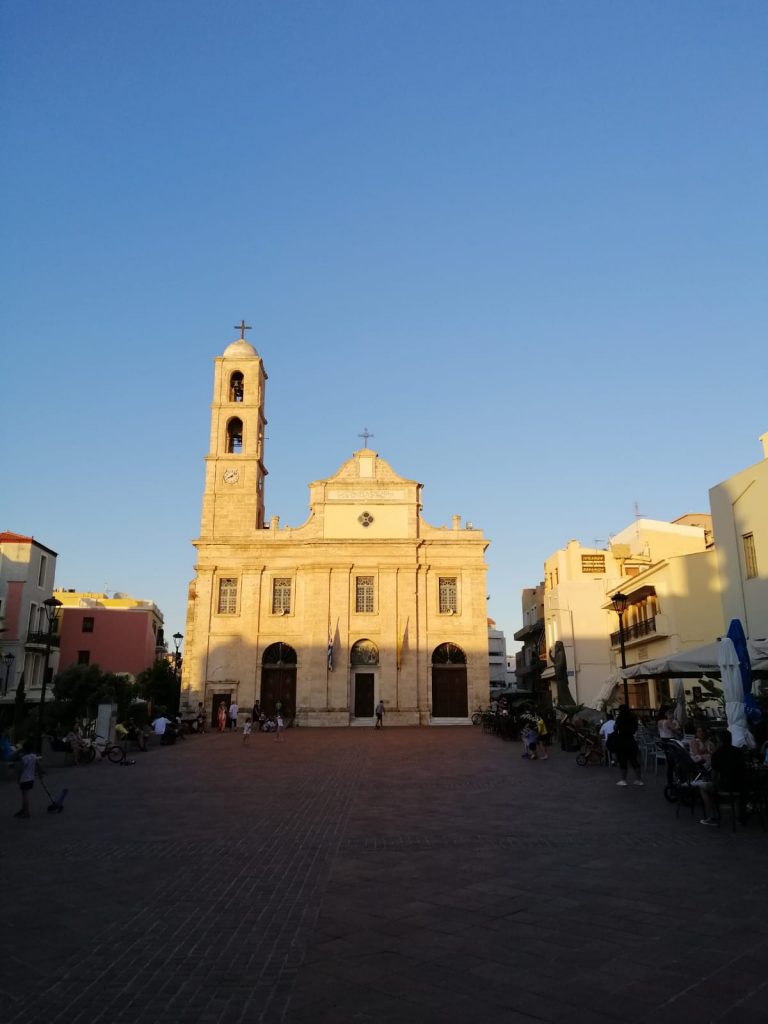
[(625, 745)]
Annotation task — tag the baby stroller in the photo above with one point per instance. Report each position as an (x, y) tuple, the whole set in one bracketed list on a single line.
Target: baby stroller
[(686, 775)]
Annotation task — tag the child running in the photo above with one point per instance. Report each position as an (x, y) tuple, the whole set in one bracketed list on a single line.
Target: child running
[(247, 726), (27, 770)]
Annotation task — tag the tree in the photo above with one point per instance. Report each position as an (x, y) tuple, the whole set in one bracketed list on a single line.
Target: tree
[(160, 685), (84, 687), (19, 709)]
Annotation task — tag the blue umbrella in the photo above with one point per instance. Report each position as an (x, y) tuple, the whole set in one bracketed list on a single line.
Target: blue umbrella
[(736, 635)]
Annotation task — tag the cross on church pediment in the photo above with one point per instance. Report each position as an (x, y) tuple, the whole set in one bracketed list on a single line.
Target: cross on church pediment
[(365, 435)]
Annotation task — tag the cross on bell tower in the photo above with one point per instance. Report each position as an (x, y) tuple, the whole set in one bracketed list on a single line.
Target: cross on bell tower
[(243, 327)]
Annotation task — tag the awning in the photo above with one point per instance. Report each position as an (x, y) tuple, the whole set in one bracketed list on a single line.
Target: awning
[(695, 662), (606, 690)]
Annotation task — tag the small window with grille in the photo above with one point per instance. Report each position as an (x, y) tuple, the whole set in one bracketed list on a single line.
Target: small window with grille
[(227, 596), (364, 594), (448, 595), (750, 555), (281, 595)]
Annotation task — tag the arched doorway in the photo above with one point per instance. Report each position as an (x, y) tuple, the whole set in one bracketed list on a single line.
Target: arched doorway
[(364, 659), (278, 679), (449, 682)]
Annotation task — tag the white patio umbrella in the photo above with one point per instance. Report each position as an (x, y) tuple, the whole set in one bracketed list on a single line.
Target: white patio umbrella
[(733, 688)]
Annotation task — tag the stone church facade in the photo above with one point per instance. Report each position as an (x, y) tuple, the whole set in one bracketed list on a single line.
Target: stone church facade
[(363, 602)]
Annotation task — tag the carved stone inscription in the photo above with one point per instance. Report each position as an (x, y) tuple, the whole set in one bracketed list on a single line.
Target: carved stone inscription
[(365, 494)]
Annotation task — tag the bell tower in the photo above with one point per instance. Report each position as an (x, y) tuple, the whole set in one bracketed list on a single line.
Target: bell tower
[(233, 502)]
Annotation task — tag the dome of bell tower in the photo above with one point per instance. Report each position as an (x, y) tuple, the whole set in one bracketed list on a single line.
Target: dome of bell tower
[(239, 349)]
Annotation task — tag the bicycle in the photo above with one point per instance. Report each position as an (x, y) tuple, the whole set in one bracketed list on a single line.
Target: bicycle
[(105, 748), (591, 752), (477, 716)]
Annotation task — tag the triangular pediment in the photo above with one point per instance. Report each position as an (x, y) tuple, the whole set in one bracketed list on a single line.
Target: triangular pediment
[(366, 465)]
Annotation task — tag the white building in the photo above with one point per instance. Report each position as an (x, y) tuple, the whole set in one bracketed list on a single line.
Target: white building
[(497, 656)]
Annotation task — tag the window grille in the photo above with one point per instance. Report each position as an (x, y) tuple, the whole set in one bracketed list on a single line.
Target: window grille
[(227, 596), (448, 591), (750, 555), (364, 594), (281, 595)]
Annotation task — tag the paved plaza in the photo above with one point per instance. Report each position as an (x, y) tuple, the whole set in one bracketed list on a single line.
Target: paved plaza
[(407, 875)]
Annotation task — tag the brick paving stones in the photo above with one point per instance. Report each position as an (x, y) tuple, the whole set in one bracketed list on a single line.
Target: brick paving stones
[(413, 875)]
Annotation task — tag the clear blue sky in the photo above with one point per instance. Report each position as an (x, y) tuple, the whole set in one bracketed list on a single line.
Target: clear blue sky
[(524, 243)]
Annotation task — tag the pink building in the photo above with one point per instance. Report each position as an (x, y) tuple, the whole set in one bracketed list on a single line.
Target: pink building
[(27, 570), (119, 634)]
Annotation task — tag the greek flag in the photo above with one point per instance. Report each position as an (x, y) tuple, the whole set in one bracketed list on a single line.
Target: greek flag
[(330, 651)]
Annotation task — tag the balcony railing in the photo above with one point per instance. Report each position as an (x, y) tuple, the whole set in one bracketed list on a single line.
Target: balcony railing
[(646, 627), (38, 639)]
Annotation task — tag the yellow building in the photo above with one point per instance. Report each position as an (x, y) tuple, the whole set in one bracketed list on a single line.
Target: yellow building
[(363, 602), (740, 513), (669, 572)]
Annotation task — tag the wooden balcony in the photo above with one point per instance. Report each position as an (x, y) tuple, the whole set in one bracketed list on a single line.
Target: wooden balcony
[(655, 626)]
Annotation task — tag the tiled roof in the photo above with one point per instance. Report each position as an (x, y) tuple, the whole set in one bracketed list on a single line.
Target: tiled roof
[(17, 538)]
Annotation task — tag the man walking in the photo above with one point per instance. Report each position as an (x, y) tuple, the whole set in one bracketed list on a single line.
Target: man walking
[(233, 712), (379, 712)]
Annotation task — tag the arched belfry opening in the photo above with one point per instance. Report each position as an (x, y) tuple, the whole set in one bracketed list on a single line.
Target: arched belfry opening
[(449, 682), (236, 387), (278, 680), (235, 436)]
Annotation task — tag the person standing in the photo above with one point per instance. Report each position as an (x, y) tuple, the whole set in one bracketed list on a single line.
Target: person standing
[(379, 712), (279, 724), (625, 745), (27, 770), (606, 732), (246, 732), (541, 738), (233, 713), (221, 716)]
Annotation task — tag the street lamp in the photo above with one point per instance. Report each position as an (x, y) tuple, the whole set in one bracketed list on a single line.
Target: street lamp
[(177, 638), (51, 606), (620, 602), (9, 660)]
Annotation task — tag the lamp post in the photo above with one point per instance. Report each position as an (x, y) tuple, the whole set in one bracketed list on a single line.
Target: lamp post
[(177, 638), (620, 602), (51, 606), (9, 660)]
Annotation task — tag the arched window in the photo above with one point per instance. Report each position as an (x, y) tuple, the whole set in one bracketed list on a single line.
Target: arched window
[(448, 654), (279, 654), (364, 652), (236, 387), (235, 437)]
